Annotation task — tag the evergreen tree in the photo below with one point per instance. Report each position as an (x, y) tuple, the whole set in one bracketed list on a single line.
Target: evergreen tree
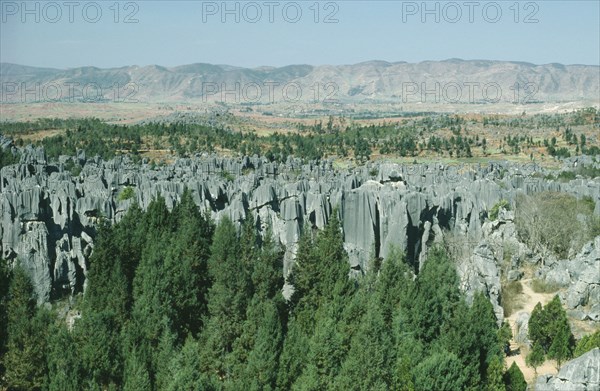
[(63, 361), (294, 355), (305, 274), (442, 371), (560, 349), (434, 297), (186, 271), (4, 284), (227, 299), (402, 379), (494, 376), (504, 336), (514, 379), (537, 326), (97, 337), (535, 358), (267, 270), (394, 285), (263, 359), (25, 360), (549, 329), (136, 375), (184, 373), (129, 240), (325, 356), (371, 348), (321, 270), (587, 343), (107, 283)]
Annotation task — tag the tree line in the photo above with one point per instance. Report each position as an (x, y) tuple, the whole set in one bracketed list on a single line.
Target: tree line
[(409, 138), (177, 302)]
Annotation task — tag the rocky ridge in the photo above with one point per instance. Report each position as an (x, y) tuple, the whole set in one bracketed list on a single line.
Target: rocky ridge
[(580, 374), (49, 217)]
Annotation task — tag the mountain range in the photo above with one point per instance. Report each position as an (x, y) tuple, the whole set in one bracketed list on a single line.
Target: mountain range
[(449, 81)]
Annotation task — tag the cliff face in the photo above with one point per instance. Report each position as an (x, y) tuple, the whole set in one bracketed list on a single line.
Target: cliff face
[(49, 216), (580, 374)]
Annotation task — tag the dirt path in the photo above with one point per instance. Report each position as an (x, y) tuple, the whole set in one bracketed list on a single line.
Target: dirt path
[(528, 299)]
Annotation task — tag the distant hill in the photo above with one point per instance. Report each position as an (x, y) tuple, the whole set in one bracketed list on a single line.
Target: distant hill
[(449, 81)]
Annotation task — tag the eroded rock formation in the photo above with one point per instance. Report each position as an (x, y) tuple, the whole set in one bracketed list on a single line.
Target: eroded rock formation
[(49, 216)]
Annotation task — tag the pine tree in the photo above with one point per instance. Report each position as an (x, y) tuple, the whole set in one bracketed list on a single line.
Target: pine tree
[(184, 373), (228, 299), (263, 359), (4, 284), (495, 372), (129, 239), (108, 288), (560, 349), (504, 336), (97, 337), (305, 274), (136, 375), (25, 360), (186, 271), (324, 356), (402, 379), (514, 379), (434, 297), (442, 371), (394, 285), (549, 328), (294, 355), (535, 358), (537, 326), (371, 347), (320, 273), (63, 361), (267, 270), (587, 343)]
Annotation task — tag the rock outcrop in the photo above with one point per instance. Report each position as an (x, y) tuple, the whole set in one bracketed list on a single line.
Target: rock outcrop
[(49, 216), (580, 374)]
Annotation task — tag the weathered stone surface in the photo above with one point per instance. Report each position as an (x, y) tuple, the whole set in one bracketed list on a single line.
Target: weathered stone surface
[(479, 273), (514, 275), (48, 217), (580, 374), (584, 287), (522, 328)]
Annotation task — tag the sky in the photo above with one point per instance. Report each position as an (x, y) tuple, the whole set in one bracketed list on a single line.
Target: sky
[(63, 34)]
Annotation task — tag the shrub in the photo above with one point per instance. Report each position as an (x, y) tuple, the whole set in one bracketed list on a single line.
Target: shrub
[(127, 193), (227, 176), (73, 168), (541, 286), (588, 172), (509, 296), (587, 343), (496, 208), (550, 221), (566, 176)]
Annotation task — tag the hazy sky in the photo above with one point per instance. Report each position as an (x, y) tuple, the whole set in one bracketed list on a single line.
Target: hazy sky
[(79, 33)]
